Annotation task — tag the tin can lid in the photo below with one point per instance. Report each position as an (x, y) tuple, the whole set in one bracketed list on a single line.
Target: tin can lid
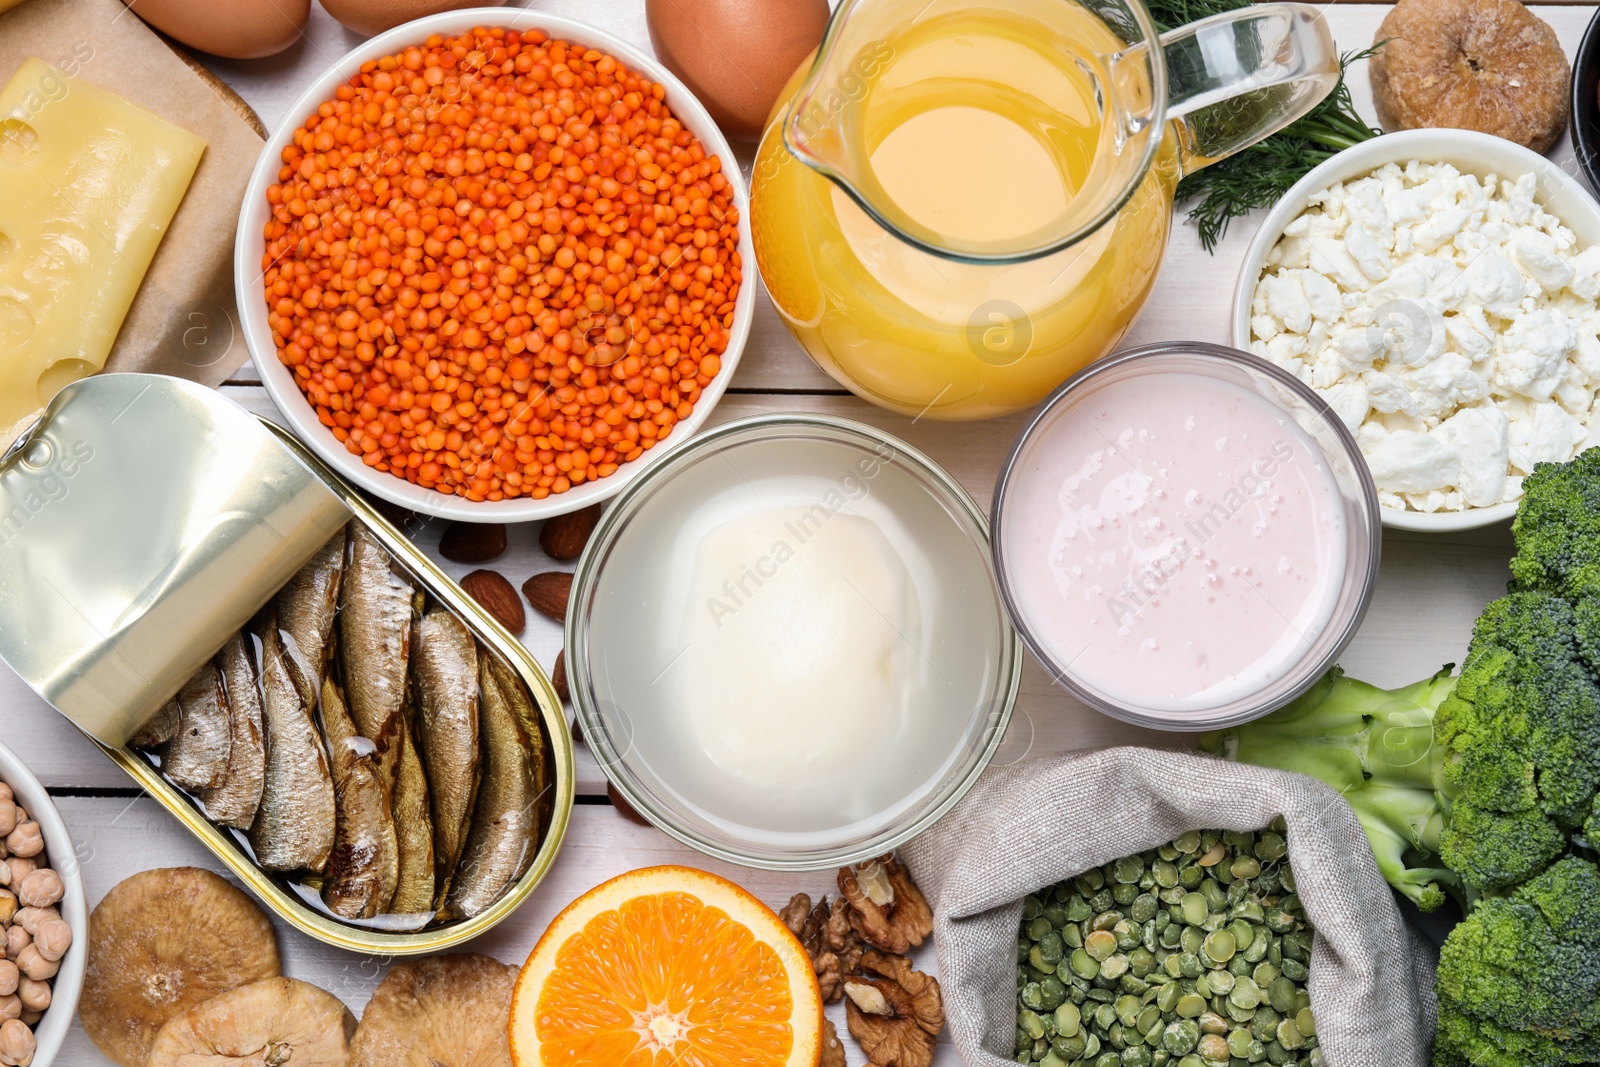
[(143, 519)]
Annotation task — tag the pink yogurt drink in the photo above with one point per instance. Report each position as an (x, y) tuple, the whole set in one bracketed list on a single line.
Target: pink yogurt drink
[(1175, 541)]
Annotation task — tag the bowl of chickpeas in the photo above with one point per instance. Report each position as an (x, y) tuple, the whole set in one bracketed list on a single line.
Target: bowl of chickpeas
[(494, 263), (44, 920)]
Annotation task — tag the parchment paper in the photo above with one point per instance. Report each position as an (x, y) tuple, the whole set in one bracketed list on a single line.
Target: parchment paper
[(183, 321)]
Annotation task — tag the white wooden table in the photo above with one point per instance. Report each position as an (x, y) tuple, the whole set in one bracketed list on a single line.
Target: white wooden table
[(1429, 592)]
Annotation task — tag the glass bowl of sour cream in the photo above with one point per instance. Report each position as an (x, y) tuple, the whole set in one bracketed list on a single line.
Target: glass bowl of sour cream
[(786, 645), (1186, 536)]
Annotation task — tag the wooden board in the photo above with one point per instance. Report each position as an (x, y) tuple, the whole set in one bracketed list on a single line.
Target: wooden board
[(1429, 592)]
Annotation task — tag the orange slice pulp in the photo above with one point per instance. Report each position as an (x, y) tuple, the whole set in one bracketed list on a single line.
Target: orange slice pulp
[(667, 966)]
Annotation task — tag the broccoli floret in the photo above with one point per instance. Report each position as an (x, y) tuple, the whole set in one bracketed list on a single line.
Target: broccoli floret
[(1493, 850), (1519, 978), (1558, 528), (1489, 786), (1519, 733)]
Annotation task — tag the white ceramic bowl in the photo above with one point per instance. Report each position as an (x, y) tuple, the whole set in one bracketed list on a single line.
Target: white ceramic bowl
[(1478, 153), (52, 1029), (279, 382)]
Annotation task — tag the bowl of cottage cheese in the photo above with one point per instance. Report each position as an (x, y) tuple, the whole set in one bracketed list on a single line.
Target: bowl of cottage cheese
[(1440, 290)]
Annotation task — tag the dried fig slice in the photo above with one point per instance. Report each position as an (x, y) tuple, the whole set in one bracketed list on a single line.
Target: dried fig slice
[(1486, 65), (445, 1011), (276, 1022), (160, 943)]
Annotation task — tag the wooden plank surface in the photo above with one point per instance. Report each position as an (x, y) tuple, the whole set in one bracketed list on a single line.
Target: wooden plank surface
[(1428, 594), (115, 841)]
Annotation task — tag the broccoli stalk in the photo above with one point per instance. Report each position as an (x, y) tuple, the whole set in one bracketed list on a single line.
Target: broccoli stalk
[(1376, 748), (1487, 786)]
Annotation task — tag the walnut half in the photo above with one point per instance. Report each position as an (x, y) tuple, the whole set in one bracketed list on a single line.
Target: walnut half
[(832, 1047), (828, 938), (894, 1011), (887, 909)]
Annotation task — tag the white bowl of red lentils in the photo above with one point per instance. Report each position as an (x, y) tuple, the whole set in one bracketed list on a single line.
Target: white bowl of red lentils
[(494, 263)]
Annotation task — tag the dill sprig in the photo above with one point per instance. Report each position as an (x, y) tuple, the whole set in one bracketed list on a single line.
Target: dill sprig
[(1256, 177)]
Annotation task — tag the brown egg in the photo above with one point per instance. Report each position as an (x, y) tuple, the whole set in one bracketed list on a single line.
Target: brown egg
[(375, 16), (736, 55), (243, 29)]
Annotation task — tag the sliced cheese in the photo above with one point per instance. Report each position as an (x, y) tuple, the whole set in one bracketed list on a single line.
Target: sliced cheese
[(88, 186)]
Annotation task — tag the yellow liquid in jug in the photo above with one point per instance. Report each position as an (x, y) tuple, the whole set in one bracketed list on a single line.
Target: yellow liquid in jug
[(982, 126)]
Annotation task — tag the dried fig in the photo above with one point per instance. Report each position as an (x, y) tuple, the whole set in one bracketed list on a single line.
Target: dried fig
[(1486, 65), (446, 1011), (276, 1021), (160, 943)]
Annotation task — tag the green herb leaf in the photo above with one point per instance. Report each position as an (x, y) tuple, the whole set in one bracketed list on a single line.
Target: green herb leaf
[(1258, 176)]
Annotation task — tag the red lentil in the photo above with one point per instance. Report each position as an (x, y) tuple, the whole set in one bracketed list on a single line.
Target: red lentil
[(498, 266)]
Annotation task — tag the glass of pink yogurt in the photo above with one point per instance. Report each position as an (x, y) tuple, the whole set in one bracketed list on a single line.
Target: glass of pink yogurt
[(1186, 536)]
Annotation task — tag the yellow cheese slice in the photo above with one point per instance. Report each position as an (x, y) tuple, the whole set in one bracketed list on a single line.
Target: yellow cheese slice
[(88, 186)]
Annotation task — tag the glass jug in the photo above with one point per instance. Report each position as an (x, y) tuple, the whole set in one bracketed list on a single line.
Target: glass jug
[(962, 202)]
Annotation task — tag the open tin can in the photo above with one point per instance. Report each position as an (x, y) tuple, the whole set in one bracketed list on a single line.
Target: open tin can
[(144, 521)]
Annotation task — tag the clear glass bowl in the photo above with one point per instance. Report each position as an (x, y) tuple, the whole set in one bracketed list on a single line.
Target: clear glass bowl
[(633, 620), (1355, 495)]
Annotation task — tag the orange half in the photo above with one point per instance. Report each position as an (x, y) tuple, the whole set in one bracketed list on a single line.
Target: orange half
[(667, 966)]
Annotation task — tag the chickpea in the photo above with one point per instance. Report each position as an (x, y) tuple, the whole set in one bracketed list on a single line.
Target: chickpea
[(52, 938), (30, 919), (26, 840), (17, 939), (16, 1043), (35, 994), (41, 889), (33, 936), (32, 964)]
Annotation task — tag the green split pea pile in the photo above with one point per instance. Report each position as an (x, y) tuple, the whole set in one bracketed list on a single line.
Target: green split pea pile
[(1194, 954)]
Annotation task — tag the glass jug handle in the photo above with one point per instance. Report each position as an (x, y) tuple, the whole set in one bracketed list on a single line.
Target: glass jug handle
[(1237, 77)]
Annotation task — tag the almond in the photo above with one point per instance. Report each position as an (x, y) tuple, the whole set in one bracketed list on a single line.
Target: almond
[(624, 809), (549, 593), (558, 677), (564, 536), (498, 597), (472, 542)]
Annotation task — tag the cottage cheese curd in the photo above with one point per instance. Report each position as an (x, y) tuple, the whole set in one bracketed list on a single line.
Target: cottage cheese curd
[(1449, 320)]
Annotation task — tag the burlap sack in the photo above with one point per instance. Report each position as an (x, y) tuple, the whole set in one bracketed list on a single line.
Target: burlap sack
[(1031, 825)]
